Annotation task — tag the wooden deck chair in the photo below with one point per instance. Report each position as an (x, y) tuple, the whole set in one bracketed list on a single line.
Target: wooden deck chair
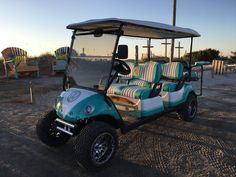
[(59, 65), (15, 62)]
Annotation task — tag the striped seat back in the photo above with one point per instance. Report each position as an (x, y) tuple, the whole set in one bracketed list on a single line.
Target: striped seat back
[(150, 72), (14, 53), (173, 70)]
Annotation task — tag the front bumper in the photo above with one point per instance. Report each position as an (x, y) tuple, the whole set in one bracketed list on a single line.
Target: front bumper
[(65, 127)]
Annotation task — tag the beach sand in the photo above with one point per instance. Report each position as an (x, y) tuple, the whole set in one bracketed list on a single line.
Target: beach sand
[(165, 147)]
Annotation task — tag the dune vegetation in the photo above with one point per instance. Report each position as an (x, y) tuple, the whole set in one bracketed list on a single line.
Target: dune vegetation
[(45, 60)]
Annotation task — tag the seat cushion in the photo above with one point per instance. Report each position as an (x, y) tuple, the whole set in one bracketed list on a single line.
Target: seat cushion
[(169, 86), (116, 88), (136, 92)]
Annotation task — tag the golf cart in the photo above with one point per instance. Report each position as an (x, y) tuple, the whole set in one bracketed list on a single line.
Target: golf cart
[(103, 91)]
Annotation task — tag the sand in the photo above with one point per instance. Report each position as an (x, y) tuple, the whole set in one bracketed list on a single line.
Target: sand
[(165, 147)]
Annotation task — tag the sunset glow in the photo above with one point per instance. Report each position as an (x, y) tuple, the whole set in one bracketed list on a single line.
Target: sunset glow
[(40, 26)]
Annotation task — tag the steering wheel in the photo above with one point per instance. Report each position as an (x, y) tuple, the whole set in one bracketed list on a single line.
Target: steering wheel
[(121, 67)]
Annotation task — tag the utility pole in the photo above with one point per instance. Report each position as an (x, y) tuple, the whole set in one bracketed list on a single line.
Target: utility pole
[(173, 23), (179, 47), (166, 43)]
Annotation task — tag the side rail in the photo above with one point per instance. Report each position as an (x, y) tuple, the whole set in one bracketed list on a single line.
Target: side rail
[(194, 77)]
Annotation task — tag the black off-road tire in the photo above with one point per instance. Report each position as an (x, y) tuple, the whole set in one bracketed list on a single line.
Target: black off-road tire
[(189, 111), (84, 145), (47, 133)]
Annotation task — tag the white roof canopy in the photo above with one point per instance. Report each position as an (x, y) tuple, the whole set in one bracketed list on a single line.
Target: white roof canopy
[(136, 28)]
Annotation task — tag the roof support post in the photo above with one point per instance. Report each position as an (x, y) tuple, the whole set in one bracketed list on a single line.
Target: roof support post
[(173, 23), (190, 58)]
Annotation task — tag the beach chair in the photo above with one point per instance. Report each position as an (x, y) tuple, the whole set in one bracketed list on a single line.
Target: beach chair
[(15, 63), (59, 64)]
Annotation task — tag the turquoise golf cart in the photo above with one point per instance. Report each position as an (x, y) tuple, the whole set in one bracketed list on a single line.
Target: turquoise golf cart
[(105, 91)]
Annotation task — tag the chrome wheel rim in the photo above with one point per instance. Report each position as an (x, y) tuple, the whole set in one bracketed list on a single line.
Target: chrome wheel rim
[(102, 148)]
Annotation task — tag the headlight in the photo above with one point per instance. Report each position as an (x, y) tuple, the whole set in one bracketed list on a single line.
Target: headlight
[(58, 103)]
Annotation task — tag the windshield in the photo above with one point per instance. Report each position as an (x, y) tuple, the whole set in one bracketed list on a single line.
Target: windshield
[(90, 64)]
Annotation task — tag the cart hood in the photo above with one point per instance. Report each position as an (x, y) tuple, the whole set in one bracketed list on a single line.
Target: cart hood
[(68, 100), (76, 104)]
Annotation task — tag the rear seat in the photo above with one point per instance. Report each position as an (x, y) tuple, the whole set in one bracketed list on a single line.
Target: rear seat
[(172, 75), (141, 85)]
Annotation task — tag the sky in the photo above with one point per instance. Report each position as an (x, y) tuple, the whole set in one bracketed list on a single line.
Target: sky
[(39, 26)]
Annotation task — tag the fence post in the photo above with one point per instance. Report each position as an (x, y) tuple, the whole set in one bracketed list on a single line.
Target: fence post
[(31, 92), (212, 69)]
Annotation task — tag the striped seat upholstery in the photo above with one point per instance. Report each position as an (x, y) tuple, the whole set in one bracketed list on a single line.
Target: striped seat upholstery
[(150, 72), (116, 88), (140, 82), (136, 92), (173, 71), (146, 75), (140, 87)]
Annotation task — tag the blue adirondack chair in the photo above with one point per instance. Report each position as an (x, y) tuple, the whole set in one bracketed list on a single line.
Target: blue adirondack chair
[(59, 65)]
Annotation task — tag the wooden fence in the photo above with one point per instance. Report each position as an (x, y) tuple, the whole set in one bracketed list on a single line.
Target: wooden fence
[(218, 67)]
